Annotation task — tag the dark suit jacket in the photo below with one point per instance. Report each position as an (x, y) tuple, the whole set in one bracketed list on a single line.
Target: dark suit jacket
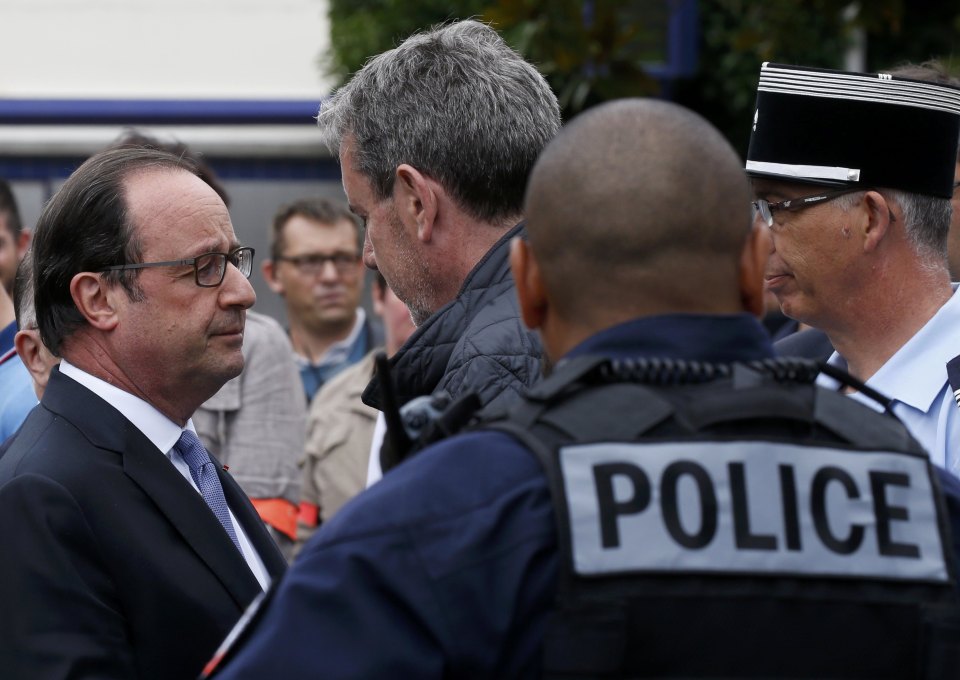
[(809, 344), (111, 564)]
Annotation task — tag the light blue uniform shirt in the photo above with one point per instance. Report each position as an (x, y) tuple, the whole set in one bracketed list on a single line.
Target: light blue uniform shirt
[(17, 397), (916, 379)]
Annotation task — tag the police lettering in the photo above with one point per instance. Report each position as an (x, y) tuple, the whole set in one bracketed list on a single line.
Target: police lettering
[(751, 507), (840, 534)]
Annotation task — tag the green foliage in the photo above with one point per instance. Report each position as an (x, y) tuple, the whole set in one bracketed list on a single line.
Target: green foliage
[(595, 50), (586, 59), (738, 35), (360, 29), (589, 51), (922, 31)]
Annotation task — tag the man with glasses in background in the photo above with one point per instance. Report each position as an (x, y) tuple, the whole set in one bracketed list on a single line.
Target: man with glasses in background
[(853, 173), (315, 266), (128, 551)]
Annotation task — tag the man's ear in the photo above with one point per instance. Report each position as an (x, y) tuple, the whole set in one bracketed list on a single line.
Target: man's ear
[(416, 200), (753, 262), (529, 284), (268, 267), (23, 243), (35, 357), (877, 218), (96, 300)]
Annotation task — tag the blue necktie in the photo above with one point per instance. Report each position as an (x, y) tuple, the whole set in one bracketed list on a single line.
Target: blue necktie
[(205, 476)]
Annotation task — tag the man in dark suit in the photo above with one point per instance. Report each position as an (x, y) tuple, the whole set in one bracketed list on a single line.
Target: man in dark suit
[(127, 551)]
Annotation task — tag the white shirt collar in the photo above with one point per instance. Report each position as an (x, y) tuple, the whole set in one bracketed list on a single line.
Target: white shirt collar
[(155, 426), (916, 373)]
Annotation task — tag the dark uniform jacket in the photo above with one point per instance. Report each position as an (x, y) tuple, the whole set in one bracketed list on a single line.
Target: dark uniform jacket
[(811, 343), (448, 566)]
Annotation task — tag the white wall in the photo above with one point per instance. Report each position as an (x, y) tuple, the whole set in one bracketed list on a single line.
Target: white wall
[(171, 49), (257, 49)]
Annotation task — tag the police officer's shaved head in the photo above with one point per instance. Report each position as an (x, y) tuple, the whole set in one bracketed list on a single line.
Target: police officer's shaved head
[(642, 206)]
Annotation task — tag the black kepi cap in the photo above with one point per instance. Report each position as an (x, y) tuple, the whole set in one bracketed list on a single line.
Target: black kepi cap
[(854, 129)]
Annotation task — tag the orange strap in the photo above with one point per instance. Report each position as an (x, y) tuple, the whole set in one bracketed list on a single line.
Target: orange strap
[(309, 514), (278, 513)]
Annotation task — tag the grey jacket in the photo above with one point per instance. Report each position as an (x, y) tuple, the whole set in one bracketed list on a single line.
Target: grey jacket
[(475, 343), (339, 433)]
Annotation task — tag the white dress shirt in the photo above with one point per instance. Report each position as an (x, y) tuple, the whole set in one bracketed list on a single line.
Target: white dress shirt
[(916, 379), (164, 434), (374, 473)]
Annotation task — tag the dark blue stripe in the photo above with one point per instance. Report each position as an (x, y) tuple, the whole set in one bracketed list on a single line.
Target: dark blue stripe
[(42, 168), (157, 111)]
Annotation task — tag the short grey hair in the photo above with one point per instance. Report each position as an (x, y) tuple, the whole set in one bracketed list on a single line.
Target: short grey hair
[(926, 220), (23, 307), (459, 105)]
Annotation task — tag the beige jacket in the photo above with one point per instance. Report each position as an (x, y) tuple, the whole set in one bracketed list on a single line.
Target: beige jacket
[(339, 432)]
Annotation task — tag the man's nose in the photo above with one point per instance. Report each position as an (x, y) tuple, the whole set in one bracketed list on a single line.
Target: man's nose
[(328, 271), (236, 289)]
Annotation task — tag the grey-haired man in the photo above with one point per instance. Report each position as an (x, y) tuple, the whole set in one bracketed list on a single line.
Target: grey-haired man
[(436, 139)]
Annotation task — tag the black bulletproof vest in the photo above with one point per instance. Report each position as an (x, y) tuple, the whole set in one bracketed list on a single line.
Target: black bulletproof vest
[(733, 521)]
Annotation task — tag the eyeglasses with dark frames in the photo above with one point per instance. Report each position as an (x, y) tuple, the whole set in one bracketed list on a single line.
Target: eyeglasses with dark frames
[(209, 268), (765, 209), (313, 264)]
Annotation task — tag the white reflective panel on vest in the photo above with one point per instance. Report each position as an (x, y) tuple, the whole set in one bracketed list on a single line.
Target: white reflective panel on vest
[(751, 507)]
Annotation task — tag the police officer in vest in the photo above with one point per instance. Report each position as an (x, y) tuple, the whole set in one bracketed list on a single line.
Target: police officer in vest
[(671, 502)]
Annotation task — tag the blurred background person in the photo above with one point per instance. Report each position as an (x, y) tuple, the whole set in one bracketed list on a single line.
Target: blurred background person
[(30, 348), (16, 389), (37, 359), (340, 426), (315, 266)]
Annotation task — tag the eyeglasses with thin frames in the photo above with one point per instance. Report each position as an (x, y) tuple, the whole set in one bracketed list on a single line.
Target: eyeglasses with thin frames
[(314, 263), (765, 209), (209, 268)]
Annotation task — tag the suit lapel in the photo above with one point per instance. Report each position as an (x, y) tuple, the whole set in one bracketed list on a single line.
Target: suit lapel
[(150, 469), (247, 515), (186, 510)]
